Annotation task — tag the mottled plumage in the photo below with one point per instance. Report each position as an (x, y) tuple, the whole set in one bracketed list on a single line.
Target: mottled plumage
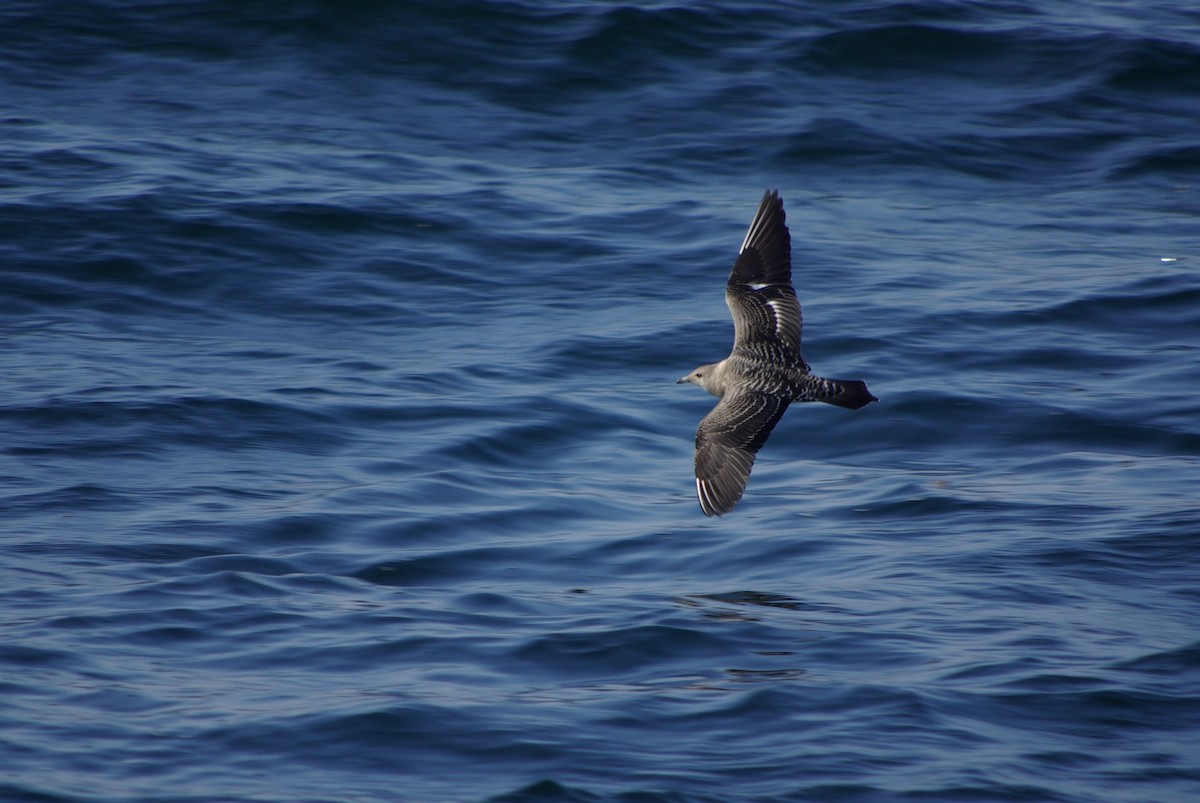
[(765, 371)]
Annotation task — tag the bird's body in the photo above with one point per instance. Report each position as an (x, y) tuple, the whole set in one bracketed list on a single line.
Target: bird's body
[(765, 371)]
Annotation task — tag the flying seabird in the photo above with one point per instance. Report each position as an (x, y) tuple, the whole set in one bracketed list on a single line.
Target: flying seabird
[(765, 371)]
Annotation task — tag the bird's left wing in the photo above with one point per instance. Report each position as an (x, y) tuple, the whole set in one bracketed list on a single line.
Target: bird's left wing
[(761, 299)]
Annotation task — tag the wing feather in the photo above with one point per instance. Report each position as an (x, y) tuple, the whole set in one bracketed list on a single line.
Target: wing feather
[(761, 299), (727, 440)]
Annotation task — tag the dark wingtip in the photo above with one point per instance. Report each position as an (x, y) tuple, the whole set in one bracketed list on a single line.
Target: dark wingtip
[(716, 500), (766, 253), (853, 395)]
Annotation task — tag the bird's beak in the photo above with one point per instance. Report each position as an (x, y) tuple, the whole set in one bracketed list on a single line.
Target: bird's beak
[(682, 380)]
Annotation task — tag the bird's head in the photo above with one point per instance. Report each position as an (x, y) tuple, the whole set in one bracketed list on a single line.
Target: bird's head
[(709, 377)]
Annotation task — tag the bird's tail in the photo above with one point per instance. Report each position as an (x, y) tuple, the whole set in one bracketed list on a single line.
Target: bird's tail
[(848, 393)]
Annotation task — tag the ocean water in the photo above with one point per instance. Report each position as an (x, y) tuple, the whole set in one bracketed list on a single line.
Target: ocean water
[(342, 457)]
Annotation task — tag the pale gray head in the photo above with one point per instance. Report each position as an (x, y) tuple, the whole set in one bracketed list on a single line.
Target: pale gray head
[(711, 377)]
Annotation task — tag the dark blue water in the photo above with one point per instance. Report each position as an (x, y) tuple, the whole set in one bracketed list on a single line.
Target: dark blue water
[(342, 457)]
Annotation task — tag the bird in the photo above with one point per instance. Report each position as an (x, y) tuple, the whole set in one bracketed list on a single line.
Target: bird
[(765, 371)]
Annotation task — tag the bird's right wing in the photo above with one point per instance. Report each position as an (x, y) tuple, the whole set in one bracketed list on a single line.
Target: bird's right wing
[(726, 442)]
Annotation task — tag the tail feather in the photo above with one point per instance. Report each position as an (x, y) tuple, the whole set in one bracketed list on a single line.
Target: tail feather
[(849, 393)]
